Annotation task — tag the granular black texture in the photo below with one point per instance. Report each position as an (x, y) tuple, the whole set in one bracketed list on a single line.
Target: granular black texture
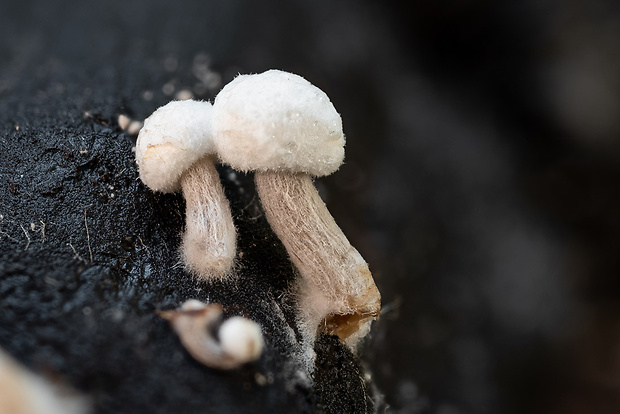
[(88, 254), (338, 372)]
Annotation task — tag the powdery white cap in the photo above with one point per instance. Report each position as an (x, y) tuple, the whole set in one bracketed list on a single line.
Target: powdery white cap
[(241, 338), (173, 138), (277, 121)]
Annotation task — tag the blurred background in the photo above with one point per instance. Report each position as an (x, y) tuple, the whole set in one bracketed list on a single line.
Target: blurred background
[(481, 176)]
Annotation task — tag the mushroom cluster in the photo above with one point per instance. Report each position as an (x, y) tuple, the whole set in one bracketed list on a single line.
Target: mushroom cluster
[(285, 130)]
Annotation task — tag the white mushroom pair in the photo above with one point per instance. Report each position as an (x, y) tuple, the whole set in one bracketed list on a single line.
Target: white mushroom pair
[(286, 131)]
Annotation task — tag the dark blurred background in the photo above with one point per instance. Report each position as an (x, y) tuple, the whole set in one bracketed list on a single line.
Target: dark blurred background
[(481, 174)]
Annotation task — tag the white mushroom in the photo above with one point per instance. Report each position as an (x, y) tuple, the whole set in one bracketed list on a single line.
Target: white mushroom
[(175, 151), (287, 131), (237, 341)]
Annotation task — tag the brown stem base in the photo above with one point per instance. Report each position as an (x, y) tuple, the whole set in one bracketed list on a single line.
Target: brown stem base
[(338, 295)]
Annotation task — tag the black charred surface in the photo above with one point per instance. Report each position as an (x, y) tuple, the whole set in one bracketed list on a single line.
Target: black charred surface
[(338, 371), (88, 254)]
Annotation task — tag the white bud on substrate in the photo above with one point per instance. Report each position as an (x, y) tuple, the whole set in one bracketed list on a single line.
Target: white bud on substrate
[(237, 341), (175, 151), (287, 131), (241, 338)]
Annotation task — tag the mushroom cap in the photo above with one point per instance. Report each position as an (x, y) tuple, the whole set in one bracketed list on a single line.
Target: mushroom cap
[(173, 138), (241, 338), (277, 121)]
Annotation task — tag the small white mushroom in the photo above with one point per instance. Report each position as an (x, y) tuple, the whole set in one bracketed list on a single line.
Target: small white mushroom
[(287, 131), (237, 341), (175, 151)]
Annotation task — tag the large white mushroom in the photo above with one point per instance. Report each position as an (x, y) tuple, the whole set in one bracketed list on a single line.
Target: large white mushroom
[(175, 151), (287, 131)]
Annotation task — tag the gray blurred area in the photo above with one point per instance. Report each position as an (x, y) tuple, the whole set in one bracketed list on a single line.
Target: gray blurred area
[(481, 176)]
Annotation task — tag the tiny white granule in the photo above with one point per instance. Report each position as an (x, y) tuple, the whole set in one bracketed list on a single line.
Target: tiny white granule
[(123, 121)]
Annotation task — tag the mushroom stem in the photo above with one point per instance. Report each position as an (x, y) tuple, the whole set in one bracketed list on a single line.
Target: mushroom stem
[(338, 293), (209, 242)]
